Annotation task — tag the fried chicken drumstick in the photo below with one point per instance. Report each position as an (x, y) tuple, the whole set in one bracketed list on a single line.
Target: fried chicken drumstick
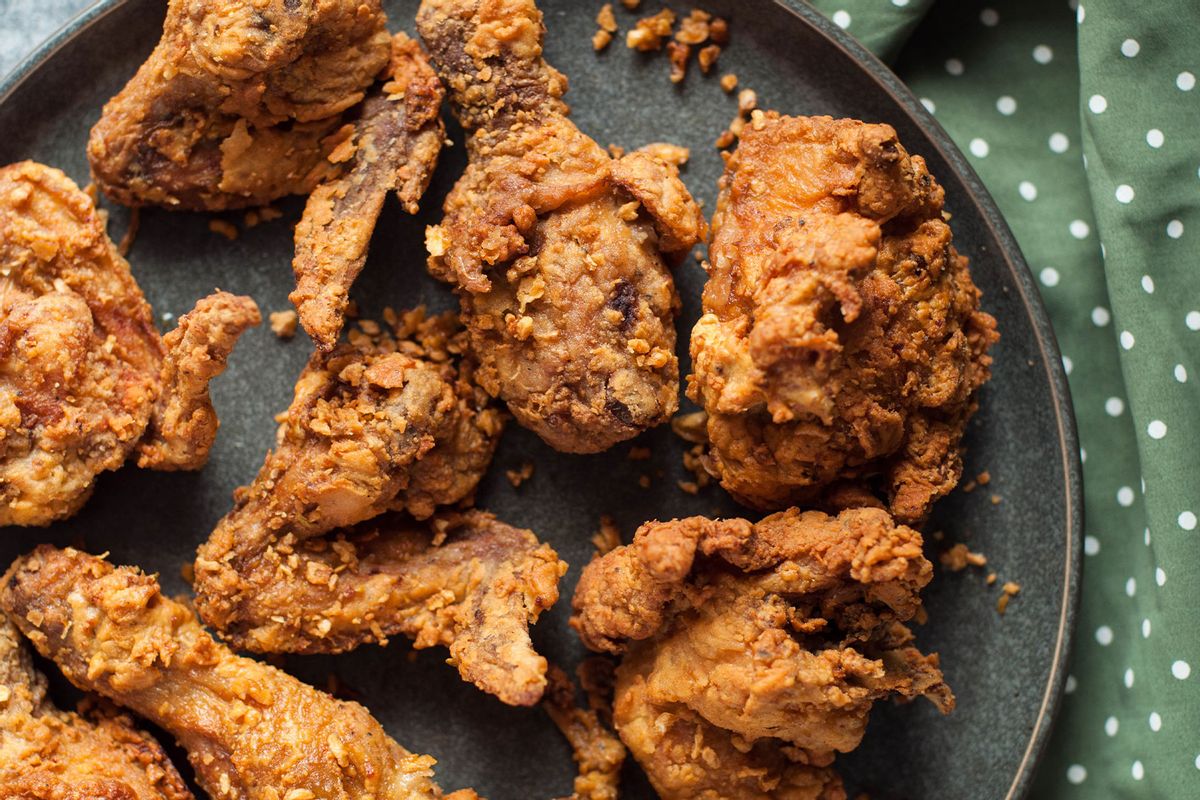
[(240, 103), (842, 343), (764, 645), (559, 254), (251, 731), (382, 425), (85, 378), (397, 139), (48, 754)]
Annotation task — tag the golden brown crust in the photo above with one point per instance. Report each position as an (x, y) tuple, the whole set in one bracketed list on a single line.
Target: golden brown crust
[(396, 143), (556, 250), (79, 354), (767, 643), (48, 754), (251, 731), (239, 103), (597, 751), (184, 423), (842, 342)]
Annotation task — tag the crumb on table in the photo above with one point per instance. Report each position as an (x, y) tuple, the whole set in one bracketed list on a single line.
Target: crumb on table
[(649, 32), (691, 427), (1008, 591), (283, 323), (639, 454), (959, 557), (608, 537), (518, 476), (224, 228)]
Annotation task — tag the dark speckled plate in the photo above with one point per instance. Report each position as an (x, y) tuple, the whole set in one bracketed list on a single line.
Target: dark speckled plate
[(1007, 671)]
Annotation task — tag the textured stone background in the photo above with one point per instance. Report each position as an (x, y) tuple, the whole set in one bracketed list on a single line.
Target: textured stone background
[(24, 24)]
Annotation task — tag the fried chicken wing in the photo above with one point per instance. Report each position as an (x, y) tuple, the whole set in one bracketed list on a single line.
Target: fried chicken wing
[(251, 731), (559, 253), (49, 754), (842, 344), (240, 103), (780, 634), (397, 140), (83, 371), (382, 425)]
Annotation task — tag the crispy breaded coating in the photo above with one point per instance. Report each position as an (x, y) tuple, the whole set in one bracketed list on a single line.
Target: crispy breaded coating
[(842, 344), (49, 754), (559, 253), (251, 731), (184, 424), (781, 634), (382, 424), (81, 363), (598, 752), (239, 104), (396, 144)]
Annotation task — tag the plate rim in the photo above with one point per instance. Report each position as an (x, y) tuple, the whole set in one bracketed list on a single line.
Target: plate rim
[(1010, 252)]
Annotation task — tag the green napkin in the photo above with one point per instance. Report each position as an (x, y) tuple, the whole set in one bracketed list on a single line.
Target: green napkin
[(1083, 122)]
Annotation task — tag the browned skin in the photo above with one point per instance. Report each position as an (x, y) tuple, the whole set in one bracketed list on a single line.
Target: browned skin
[(240, 103), (396, 144), (81, 363), (184, 424), (598, 752), (379, 425), (842, 345), (558, 253), (48, 754), (251, 731), (780, 634)]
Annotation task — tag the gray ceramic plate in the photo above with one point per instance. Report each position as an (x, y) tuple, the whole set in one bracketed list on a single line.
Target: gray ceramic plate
[(1007, 672)]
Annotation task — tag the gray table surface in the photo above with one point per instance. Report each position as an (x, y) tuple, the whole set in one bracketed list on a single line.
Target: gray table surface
[(25, 24)]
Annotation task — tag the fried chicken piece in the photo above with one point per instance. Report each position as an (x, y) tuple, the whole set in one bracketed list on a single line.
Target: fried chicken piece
[(83, 371), (239, 104), (397, 140), (251, 731), (48, 754), (596, 749), (780, 634), (382, 425), (559, 253), (841, 345), (184, 424)]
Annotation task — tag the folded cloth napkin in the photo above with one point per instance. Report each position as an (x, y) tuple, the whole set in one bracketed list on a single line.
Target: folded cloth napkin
[(1082, 121)]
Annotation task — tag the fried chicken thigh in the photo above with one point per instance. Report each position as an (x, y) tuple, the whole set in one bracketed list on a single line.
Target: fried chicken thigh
[(760, 647), (251, 731), (558, 252), (85, 377), (240, 103), (382, 425), (396, 142), (842, 345), (48, 754)]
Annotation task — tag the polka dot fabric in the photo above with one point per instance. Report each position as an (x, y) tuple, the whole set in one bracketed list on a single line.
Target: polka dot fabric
[(1099, 178)]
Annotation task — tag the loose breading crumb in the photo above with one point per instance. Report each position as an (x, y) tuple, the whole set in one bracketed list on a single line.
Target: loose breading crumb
[(991, 578), (644, 481), (606, 19), (959, 557), (650, 32), (1009, 591), (691, 427), (639, 454), (996, 499), (678, 54), (708, 56), (608, 537), (283, 323), (729, 82), (632, 5), (126, 243), (601, 39), (718, 31), (689, 487), (518, 476), (188, 573), (747, 101), (693, 462), (969, 486), (224, 228), (984, 478), (693, 29)]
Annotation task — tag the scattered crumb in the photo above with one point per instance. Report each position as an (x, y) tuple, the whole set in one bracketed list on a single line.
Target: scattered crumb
[(649, 33), (283, 323), (693, 29), (690, 487), (600, 40), (718, 31), (991, 578), (606, 20), (729, 82), (632, 5), (1010, 590), (226, 229), (747, 100), (188, 573), (984, 478), (969, 486), (608, 538), (708, 56), (996, 499), (693, 462), (670, 153), (639, 454), (644, 481), (691, 427), (518, 476), (678, 54), (958, 558), (126, 243)]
